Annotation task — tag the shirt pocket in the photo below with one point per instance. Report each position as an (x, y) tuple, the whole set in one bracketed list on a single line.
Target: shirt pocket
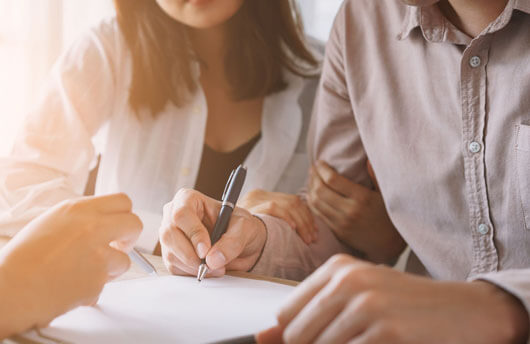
[(522, 157)]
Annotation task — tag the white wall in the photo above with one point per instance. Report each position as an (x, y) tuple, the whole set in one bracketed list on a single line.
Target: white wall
[(318, 16)]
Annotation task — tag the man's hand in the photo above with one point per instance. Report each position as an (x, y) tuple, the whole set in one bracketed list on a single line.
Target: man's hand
[(63, 258), (289, 208), (356, 214), (185, 236), (350, 301)]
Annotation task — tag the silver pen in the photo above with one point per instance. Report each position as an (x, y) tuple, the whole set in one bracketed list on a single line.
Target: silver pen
[(139, 259)]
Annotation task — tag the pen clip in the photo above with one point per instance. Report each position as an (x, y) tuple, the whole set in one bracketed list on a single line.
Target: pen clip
[(227, 186)]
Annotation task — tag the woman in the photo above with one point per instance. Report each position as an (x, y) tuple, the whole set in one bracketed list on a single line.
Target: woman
[(62, 259), (173, 94)]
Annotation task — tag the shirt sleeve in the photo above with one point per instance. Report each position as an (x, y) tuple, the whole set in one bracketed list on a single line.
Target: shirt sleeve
[(515, 282), (53, 152), (287, 256), (334, 137)]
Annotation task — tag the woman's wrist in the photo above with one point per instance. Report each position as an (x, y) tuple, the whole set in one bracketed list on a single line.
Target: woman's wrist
[(264, 242)]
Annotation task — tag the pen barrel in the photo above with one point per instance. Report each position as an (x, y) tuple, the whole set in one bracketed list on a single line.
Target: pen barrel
[(221, 224)]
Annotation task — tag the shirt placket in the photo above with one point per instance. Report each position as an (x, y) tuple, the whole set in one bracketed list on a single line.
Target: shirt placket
[(473, 87)]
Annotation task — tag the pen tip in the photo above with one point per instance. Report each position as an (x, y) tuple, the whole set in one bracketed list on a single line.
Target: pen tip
[(202, 272)]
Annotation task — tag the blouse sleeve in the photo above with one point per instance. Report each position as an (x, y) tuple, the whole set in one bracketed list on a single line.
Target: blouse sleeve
[(53, 151)]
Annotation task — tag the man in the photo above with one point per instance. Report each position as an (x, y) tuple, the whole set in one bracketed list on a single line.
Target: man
[(436, 96), (62, 259)]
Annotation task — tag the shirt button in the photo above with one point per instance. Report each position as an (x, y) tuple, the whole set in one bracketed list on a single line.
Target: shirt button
[(483, 229), (474, 147), (475, 61)]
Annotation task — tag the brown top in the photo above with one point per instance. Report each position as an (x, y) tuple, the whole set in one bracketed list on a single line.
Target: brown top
[(445, 122), (216, 167)]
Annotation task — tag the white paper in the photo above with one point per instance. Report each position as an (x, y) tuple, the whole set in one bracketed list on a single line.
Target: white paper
[(173, 309)]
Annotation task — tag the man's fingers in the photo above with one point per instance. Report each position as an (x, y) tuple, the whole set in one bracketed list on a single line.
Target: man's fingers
[(315, 316), (282, 213), (371, 173), (190, 224), (272, 335), (302, 227), (304, 293), (309, 220), (337, 182), (321, 193), (330, 213), (350, 323)]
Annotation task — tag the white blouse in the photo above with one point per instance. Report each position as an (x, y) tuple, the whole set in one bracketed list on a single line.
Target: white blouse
[(84, 112)]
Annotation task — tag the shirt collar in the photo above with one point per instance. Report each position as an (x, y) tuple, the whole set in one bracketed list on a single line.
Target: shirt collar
[(436, 28)]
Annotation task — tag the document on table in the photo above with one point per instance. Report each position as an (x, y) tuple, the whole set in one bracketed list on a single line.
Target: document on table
[(173, 309)]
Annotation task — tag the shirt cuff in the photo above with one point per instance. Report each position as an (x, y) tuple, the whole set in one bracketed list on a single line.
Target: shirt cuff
[(276, 259), (285, 255), (515, 282), (148, 239)]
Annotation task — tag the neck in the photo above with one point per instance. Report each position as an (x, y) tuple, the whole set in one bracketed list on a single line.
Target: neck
[(472, 16), (210, 44)]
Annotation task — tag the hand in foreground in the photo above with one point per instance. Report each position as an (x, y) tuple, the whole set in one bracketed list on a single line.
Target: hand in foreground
[(289, 208), (185, 238), (349, 301), (356, 214), (63, 258)]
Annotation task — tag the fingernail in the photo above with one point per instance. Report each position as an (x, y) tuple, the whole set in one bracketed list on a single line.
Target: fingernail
[(202, 250), (218, 273), (217, 260)]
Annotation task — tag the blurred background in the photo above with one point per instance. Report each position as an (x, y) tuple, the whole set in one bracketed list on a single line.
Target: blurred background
[(34, 32)]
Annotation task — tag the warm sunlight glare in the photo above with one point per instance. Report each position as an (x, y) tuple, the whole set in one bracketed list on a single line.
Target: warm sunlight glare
[(32, 36)]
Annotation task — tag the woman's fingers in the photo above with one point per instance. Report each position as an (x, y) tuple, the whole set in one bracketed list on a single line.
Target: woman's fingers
[(176, 244)]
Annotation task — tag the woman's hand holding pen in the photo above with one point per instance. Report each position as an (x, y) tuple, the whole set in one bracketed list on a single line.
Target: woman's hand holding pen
[(63, 258), (185, 236)]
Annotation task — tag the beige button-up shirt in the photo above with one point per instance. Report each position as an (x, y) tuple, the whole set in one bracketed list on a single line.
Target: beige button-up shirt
[(445, 121)]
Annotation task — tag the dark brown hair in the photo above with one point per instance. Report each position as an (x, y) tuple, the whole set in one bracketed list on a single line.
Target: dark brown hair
[(265, 37)]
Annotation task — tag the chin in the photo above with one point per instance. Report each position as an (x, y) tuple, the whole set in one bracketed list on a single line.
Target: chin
[(419, 2), (201, 14)]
